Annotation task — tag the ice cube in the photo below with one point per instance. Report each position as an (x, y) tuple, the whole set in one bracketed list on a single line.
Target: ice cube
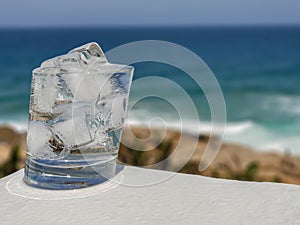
[(120, 81), (85, 71), (44, 93), (79, 57), (118, 110), (89, 50), (87, 86), (38, 140), (110, 112), (102, 140), (64, 92), (71, 126), (82, 76)]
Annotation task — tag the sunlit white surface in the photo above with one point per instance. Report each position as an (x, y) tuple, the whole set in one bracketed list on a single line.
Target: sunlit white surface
[(182, 199)]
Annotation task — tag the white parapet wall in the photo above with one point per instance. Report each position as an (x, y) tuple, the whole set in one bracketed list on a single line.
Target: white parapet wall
[(144, 196)]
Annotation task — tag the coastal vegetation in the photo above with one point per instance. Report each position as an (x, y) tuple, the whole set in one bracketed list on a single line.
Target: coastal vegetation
[(233, 161)]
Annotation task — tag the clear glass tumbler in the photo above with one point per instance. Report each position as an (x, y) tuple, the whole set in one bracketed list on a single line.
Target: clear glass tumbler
[(77, 108)]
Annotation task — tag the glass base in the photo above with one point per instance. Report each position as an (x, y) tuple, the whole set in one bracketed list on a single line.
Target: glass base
[(52, 176)]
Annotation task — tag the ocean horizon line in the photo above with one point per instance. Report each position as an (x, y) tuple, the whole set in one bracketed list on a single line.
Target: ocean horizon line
[(150, 26)]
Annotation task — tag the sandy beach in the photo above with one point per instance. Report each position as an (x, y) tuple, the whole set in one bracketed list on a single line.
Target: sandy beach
[(233, 161)]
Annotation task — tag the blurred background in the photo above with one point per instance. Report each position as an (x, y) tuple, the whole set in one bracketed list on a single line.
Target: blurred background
[(252, 47)]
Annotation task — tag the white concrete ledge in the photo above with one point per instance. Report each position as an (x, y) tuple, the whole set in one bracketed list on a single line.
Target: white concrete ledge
[(182, 199)]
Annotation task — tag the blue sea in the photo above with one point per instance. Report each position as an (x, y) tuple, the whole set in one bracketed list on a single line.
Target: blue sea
[(258, 69)]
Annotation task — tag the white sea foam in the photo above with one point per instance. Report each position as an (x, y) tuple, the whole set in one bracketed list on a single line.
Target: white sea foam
[(19, 126), (245, 132), (191, 126), (286, 104)]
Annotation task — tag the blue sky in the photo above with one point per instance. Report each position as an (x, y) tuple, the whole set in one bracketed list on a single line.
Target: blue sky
[(154, 12)]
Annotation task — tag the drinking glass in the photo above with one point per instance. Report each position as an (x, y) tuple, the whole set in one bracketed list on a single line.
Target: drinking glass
[(77, 108)]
